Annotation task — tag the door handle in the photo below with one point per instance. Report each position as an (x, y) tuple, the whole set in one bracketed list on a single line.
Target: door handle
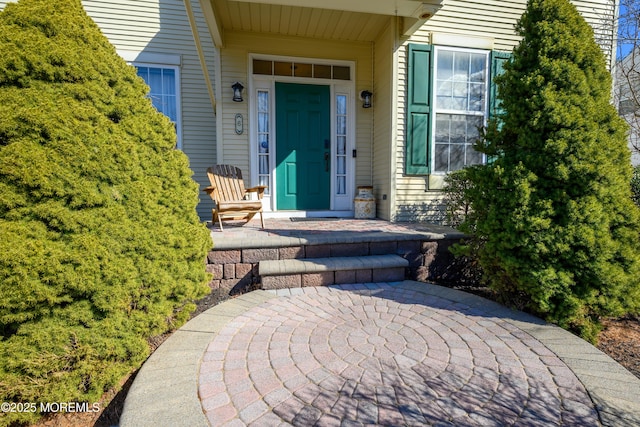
[(326, 161)]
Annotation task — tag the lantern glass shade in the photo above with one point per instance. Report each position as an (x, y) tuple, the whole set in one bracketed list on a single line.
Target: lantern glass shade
[(366, 98), (237, 91)]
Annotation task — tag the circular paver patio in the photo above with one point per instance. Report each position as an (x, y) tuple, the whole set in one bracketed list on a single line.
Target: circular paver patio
[(404, 353), (384, 355)]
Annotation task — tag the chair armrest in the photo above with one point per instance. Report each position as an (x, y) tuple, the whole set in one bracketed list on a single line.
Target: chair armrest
[(210, 189), (257, 189)]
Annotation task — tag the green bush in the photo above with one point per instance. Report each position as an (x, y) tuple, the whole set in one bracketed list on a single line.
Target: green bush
[(100, 244), (456, 199), (635, 186), (559, 231)]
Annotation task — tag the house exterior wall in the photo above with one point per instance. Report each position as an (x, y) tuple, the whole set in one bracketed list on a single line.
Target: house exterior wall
[(418, 198), (161, 27), (151, 30)]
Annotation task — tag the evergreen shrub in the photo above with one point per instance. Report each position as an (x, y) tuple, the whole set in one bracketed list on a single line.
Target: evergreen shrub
[(100, 244), (458, 204), (560, 234), (635, 185)]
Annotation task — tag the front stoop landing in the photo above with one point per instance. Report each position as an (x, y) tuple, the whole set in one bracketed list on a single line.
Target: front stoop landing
[(277, 262)]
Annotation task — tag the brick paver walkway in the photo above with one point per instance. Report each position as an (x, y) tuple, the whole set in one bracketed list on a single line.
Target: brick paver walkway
[(384, 355)]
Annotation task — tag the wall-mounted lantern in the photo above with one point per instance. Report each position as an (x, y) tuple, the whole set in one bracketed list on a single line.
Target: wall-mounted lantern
[(237, 91), (365, 96)]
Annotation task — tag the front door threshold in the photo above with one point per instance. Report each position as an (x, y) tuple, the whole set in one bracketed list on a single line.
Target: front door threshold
[(309, 214)]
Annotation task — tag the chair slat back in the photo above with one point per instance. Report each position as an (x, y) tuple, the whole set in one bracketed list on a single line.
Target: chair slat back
[(228, 182)]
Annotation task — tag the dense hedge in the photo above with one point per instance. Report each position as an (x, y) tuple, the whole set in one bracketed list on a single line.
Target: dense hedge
[(100, 245), (553, 215), (635, 185)]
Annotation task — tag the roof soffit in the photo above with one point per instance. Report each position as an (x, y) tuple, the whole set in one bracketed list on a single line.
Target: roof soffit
[(351, 20)]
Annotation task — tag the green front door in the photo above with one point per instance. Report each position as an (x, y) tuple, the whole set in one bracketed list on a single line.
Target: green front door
[(303, 147)]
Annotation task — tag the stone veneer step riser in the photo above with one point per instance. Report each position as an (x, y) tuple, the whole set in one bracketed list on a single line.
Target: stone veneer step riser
[(279, 274), (326, 278)]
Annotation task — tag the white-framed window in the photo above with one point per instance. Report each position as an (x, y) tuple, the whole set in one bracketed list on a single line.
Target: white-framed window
[(163, 82), (461, 93)]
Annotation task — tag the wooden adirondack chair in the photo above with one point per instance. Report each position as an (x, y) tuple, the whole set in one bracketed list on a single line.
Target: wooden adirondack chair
[(231, 198)]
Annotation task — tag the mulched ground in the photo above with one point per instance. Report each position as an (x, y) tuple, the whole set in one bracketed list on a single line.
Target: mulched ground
[(620, 339)]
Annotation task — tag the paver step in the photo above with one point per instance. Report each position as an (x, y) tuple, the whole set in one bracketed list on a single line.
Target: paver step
[(288, 273), (317, 265), (234, 260)]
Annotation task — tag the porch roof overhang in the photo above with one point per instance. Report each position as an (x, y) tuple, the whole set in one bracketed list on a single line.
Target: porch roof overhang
[(349, 20)]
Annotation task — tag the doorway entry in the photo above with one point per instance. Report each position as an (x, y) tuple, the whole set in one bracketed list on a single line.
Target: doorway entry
[(303, 146)]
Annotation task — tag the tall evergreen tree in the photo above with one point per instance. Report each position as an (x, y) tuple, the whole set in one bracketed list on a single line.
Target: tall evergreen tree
[(553, 213), (100, 244)]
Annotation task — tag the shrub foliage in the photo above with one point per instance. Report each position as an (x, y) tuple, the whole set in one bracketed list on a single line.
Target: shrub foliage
[(100, 245), (553, 213), (458, 205), (635, 185)]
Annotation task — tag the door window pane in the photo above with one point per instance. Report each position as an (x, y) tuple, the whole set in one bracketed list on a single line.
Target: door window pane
[(341, 185), (342, 167), (342, 145), (303, 70), (322, 71), (341, 127), (341, 73), (263, 141), (341, 104), (262, 67), (282, 68), (263, 122)]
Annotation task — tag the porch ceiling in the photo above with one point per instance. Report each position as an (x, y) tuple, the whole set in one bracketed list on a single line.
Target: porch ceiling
[(350, 20)]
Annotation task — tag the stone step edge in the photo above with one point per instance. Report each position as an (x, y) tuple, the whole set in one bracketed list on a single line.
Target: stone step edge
[(319, 265), (223, 242)]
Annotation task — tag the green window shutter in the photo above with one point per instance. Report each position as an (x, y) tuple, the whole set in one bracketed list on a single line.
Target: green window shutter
[(419, 86), (497, 62)]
